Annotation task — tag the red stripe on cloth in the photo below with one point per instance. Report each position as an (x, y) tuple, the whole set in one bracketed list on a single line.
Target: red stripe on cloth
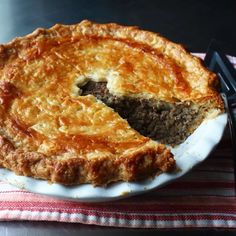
[(183, 200), (139, 199), (30, 200), (139, 209), (206, 204), (201, 185)]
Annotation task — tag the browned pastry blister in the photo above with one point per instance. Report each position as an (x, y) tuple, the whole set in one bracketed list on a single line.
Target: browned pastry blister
[(52, 129)]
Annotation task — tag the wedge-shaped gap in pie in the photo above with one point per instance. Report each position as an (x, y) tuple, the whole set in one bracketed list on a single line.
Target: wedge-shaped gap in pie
[(169, 123)]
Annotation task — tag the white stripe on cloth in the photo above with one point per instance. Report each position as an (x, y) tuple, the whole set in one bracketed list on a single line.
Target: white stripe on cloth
[(188, 219)]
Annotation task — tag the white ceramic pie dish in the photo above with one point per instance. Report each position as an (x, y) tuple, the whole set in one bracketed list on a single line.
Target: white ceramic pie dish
[(190, 153)]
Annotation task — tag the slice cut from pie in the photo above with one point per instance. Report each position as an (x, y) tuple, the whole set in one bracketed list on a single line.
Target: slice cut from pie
[(87, 103)]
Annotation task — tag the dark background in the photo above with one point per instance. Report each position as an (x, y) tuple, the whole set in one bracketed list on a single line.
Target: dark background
[(191, 23)]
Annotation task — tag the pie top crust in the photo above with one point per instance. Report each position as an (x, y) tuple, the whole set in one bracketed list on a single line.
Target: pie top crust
[(49, 131)]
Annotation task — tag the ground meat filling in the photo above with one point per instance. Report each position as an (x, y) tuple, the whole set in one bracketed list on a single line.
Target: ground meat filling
[(165, 122)]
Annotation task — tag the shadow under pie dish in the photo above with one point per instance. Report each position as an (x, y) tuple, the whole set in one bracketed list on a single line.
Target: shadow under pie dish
[(86, 103)]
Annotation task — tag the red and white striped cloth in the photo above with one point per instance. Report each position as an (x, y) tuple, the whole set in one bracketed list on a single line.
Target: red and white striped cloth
[(205, 197)]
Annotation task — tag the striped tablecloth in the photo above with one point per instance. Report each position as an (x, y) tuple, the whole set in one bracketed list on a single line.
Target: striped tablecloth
[(205, 197)]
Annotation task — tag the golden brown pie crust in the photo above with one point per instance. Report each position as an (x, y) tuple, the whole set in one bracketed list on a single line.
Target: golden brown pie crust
[(50, 132)]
